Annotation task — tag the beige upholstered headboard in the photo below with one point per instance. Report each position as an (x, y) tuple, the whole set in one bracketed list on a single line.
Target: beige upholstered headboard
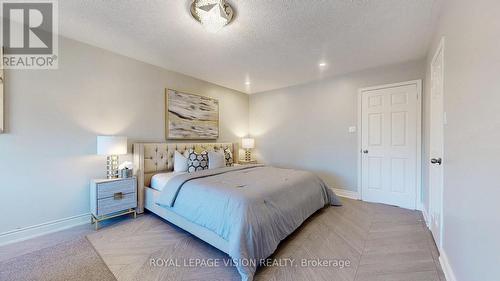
[(153, 158)]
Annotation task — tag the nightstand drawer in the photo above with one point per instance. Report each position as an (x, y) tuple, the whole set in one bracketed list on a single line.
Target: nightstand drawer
[(108, 189), (116, 203)]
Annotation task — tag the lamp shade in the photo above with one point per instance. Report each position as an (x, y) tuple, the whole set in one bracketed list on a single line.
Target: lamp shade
[(248, 143), (111, 145)]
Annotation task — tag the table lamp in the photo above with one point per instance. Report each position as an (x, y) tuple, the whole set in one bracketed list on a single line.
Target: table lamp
[(247, 144), (111, 146)]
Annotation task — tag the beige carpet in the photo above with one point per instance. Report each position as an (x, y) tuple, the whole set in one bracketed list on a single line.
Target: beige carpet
[(72, 260), (382, 243)]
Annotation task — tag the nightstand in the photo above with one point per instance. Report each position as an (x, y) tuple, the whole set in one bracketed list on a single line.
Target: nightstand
[(111, 198), (243, 162)]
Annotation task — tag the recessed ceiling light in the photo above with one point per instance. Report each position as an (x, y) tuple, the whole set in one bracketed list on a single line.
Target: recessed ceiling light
[(247, 83), (322, 64), (212, 14)]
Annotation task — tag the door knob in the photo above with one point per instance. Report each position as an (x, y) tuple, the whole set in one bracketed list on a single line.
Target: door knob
[(365, 151), (438, 161)]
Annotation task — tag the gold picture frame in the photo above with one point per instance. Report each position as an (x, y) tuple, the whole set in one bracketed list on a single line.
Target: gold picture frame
[(190, 116)]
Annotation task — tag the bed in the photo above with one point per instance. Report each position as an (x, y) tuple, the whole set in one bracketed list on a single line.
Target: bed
[(244, 210)]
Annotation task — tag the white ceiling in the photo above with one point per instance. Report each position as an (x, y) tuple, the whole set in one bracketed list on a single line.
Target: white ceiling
[(271, 43)]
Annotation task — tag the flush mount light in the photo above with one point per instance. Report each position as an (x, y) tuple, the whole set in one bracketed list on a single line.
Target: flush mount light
[(212, 14)]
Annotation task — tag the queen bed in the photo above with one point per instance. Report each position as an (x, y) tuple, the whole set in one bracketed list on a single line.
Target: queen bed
[(242, 210)]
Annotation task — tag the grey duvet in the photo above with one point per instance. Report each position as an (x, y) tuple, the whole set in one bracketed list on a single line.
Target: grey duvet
[(253, 207)]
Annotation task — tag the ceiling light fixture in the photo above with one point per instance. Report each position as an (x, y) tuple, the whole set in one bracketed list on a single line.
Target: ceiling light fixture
[(247, 83), (212, 14), (322, 64)]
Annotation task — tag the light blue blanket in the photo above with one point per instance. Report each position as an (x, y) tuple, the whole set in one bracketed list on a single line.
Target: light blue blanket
[(253, 207)]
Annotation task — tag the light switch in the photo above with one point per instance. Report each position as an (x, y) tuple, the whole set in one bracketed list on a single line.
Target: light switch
[(352, 129)]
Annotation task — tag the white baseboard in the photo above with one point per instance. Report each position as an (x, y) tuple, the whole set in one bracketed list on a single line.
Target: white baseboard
[(426, 217), (445, 265), (347, 193), (25, 233), (443, 258)]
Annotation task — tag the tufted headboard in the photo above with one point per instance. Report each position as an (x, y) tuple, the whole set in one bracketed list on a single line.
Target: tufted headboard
[(153, 158)]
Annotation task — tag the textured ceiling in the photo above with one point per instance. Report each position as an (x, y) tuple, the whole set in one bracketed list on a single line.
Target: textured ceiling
[(271, 43)]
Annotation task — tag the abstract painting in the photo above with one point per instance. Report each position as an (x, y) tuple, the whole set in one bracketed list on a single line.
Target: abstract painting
[(190, 116)]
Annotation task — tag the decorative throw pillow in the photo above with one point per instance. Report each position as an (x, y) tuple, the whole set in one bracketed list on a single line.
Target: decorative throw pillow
[(197, 161), (216, 159), (180, 162), (228, 155)]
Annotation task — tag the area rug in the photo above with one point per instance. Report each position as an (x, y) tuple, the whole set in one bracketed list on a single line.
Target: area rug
[(72, 260), (374, 242), (150, 248)]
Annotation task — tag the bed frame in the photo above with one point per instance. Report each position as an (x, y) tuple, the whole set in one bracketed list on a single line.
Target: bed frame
[(154, 158)]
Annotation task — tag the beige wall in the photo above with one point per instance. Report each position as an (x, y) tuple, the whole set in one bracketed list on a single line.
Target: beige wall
[(306, 126), (471, 238), (48, 155)]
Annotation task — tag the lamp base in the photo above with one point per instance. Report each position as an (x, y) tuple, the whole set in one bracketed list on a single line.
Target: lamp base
[(112, 167), (248, 155)]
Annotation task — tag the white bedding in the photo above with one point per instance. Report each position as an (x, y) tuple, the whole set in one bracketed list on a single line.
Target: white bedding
[(159, 181)]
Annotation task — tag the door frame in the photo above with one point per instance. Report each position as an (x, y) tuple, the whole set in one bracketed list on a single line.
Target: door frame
[(418, 83), (440, 48)]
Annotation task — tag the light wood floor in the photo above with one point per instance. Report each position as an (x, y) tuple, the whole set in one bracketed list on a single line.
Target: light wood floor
[(382, 243)]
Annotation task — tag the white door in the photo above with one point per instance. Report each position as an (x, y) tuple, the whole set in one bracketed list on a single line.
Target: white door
[(389, 140), (436, 145)]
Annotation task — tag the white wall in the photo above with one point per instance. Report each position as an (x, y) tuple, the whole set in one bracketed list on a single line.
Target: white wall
[(47, 156), (306, 126), (472, 137)]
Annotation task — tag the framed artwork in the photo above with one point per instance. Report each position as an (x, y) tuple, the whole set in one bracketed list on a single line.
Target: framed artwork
[(190, 116)]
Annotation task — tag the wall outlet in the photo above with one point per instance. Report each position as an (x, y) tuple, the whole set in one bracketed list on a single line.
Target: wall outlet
[(352, 129)]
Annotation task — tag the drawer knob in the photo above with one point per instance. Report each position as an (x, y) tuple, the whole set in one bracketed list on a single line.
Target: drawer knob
[(118, 196)]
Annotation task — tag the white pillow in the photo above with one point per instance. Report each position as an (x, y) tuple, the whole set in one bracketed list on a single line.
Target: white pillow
[(180, 162), (216, 160)]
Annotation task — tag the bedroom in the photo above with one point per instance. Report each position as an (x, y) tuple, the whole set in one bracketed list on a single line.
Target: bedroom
[(302, 97)]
